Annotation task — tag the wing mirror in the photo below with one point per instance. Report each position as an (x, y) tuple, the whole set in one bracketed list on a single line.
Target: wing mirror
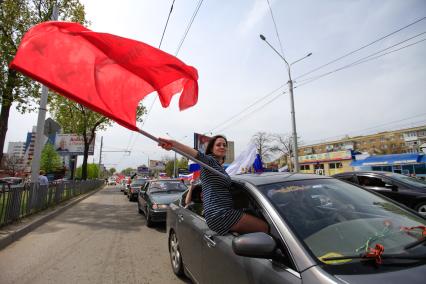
[(259, 245)]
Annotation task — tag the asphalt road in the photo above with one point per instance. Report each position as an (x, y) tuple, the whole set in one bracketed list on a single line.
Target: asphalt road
[(102, 239)]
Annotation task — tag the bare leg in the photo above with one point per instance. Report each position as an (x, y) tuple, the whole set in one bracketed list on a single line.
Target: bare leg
[(250, 224)]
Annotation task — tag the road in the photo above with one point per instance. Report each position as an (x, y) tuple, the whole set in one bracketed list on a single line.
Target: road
[(102, 239)]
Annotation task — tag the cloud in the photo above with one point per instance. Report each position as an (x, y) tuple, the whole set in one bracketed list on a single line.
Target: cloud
[(258, 10)]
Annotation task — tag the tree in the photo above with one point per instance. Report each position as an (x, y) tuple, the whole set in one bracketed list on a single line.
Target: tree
[(77, 119), (262, 142), (16, 17), (92, 171), (50, 160), (169, 167), (283, 145), (128, 171), (13, 164), (112, 171)]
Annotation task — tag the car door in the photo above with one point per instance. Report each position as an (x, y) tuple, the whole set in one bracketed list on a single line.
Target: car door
[(142, 196), (379, 184), (189, 230), (222, 265)]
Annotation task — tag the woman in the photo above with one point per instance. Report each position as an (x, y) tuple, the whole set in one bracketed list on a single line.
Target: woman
[(219, 213)]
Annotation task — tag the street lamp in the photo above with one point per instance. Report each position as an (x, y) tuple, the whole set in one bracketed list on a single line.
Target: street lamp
[(290, 88), (174, 164)]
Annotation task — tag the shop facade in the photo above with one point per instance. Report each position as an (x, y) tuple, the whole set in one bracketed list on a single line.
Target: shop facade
[(326, 163)]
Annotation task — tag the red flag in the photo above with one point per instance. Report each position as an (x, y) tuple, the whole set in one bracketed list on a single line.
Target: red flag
[(106, 73)]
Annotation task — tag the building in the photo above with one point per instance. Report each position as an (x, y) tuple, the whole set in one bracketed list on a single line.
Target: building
[(230, 154), (336, 156), (16, 149), (400, 141)]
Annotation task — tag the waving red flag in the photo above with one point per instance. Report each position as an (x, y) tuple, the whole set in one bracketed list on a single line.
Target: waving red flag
[(106, 73)]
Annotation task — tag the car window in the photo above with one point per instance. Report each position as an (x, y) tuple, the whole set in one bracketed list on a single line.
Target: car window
[(407, 179), (349, 178), (372, 181), (332, 217), (167, 186)]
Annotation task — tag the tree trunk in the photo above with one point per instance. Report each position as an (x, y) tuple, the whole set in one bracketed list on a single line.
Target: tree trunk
[(84, 165), (6, 104)]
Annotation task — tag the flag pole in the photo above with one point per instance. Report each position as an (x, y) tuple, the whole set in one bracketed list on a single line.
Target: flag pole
[(183, 154)]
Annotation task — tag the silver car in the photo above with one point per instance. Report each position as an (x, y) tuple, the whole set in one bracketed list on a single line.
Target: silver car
[(322, 230)]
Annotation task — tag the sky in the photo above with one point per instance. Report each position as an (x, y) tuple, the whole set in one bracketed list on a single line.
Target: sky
[(237, 69)]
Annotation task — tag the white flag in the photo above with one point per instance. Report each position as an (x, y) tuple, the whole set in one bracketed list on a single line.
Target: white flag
[(243, 161)]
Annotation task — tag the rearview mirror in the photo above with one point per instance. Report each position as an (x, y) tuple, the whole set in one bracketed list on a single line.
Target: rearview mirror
[(259, 245)]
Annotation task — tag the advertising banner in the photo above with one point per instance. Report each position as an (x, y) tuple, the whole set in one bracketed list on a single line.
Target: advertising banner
[(200, 142), (156, 165), (143, 170), (72, 144), (323, 157)]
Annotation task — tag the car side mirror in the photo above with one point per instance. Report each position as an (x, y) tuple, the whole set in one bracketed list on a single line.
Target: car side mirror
[(258, 245)]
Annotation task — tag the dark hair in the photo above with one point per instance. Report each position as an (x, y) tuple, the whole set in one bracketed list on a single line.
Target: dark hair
[(210, 145)]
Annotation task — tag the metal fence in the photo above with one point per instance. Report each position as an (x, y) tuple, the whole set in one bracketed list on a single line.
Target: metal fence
[(17, 202)]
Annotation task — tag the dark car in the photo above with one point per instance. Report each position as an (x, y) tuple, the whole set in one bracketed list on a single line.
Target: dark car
[(155, 197), (404, 189), (135, 187), (322, 230)]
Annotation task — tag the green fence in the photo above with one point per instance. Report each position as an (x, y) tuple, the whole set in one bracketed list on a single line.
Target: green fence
[(17, 202)]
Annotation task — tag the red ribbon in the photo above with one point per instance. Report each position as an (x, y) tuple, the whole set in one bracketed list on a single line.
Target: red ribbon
[(409, 229), (375, 253)]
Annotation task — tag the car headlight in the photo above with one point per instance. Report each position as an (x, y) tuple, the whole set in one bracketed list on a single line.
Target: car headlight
[(159, 206)]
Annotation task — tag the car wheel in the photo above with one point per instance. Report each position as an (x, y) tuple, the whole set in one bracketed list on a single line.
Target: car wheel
[(421, 208), (175, 255), (149, 222)]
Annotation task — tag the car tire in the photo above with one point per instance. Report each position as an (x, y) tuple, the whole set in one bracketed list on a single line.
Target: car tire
[(149, 222), (175, 255), (421, 208)]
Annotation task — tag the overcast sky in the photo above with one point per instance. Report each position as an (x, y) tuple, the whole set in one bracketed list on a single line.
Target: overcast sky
[(236, 68)]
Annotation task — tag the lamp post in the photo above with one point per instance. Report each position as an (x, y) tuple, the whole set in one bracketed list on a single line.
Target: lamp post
[(290, 88), (174, 164)]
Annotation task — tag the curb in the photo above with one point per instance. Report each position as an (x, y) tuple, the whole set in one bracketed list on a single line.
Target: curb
[(21, 231)]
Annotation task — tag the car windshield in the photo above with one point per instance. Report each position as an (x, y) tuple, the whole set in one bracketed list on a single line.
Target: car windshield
[(407, 179), (334, 218), (138, 182), (167, 186)]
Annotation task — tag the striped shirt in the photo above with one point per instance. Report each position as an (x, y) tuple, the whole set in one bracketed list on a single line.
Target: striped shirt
[(217, 200)]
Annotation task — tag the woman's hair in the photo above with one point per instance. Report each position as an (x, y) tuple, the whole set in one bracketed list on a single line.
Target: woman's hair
[(210, 145)]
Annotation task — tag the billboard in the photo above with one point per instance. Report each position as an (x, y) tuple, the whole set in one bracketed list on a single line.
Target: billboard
[(71, 144), (156, 165), (143, 170), (200, 142)]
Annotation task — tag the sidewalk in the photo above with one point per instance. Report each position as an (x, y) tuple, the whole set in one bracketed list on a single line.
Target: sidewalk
[(13, 232)]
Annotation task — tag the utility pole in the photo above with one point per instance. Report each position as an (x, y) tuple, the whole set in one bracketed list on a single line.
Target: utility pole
[(100, 154), (35, 165), (293, 114)]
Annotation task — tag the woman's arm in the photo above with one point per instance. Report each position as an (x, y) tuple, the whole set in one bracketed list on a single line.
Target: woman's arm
[(168, 144), (188, 197)]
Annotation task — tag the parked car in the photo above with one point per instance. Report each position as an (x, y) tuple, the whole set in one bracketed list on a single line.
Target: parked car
[(322, 230), (111, 181), (12, 181), (134, 188), (154, 198), (403, 189)]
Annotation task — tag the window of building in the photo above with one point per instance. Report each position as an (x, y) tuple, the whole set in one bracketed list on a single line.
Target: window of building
[(305, 167), (338, 165)]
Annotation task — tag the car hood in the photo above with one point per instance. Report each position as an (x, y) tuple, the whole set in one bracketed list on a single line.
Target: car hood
[(165, 198), (411, 275)]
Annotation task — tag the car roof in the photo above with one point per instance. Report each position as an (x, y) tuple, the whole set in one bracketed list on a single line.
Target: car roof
[(275, 177), (364, 172)]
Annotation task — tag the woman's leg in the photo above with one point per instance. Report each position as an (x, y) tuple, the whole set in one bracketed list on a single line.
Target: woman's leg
[(250, 224)]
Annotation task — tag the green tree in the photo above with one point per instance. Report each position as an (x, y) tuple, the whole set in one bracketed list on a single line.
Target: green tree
[(16, 17), (112, 171), (75, 118), (127, 171), (182, 163), (169, 167), (92, 171), (50, 160)]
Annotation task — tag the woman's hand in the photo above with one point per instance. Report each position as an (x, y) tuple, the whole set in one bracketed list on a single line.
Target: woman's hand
[(166, 144)]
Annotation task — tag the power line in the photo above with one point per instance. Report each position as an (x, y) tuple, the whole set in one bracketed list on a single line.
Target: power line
[(276, 29), (358, 49), (246, 108), (369, 128), (189, 26), (165, 27), (256, 109), (359, 61)]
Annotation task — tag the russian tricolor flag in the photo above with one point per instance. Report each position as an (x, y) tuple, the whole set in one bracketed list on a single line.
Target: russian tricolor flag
[(195, 169)]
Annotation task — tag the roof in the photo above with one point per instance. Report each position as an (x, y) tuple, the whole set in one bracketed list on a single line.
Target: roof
[(383, 160), (274, 177)]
